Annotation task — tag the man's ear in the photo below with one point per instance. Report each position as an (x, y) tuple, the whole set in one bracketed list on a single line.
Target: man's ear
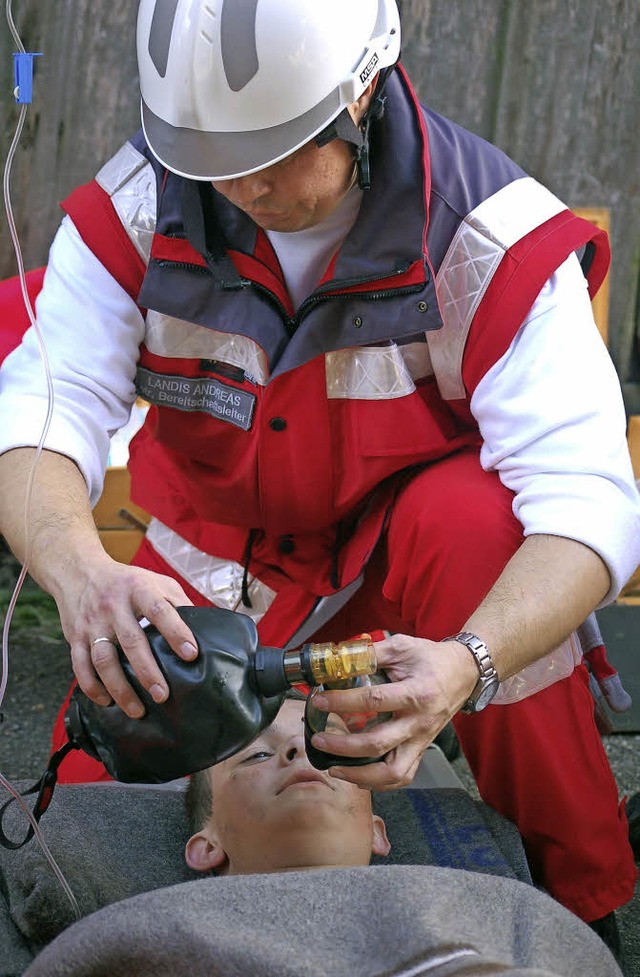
[(358, 108), (204, 853), (381, 844)]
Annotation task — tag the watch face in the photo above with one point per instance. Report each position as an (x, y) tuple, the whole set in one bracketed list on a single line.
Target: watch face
[(485, 696)]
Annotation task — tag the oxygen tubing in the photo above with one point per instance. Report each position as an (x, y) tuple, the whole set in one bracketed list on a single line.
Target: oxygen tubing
[(4, 669)]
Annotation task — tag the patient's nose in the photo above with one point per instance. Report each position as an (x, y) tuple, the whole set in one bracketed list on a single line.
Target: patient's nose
[(294, 748)]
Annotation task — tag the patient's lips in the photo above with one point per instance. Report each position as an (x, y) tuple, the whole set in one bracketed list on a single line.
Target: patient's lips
[(306, 776)]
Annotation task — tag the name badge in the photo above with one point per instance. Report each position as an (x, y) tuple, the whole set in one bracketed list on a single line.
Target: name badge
[(197, 394)]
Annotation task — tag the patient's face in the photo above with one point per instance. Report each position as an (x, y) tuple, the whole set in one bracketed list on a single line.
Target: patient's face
[(272, 810)]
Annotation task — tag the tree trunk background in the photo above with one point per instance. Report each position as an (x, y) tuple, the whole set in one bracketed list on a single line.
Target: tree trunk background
[(554, 83)]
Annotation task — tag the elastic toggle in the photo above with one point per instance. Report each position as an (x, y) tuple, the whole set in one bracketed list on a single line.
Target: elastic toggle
[(45, 787)]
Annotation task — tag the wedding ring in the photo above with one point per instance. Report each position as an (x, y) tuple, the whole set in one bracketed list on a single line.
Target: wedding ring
[(98, 640)]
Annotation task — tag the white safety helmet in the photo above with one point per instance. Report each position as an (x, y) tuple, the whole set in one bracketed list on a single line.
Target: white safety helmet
[(231, 86)]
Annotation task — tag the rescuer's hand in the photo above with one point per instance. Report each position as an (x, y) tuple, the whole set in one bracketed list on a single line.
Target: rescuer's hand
[(429, 682), (96, 597), (105, 599)]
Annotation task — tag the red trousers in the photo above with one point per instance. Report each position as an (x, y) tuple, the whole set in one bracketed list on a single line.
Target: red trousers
[(540, 762)]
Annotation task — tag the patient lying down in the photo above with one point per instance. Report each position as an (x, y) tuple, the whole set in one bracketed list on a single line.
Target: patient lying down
[(261, 821)]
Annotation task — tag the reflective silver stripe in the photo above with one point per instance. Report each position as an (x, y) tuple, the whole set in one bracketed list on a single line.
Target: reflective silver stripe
[(129, 180), (167, 336), (220, 581), (417, 358), (367, 373), (478, 247)]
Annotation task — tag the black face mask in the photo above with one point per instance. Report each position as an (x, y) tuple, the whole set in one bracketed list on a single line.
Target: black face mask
[(218, 703)]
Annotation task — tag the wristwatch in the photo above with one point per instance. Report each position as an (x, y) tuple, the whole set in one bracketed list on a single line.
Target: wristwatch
[(488, 682)]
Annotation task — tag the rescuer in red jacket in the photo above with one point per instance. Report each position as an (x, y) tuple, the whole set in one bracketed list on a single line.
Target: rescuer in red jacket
[(369, 350)]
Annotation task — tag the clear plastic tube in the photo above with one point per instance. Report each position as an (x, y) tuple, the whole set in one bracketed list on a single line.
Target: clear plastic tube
[(43, 844), (4, 672), (342, 661)]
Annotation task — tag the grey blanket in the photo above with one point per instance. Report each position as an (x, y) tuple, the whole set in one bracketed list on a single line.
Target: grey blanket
[(366, 922), (116, 841)]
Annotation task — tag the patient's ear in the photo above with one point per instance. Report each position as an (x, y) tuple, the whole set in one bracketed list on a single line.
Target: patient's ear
[(381, 844), (204, 853)]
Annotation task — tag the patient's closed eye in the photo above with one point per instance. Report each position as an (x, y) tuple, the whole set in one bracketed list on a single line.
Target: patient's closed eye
[(257, 756)]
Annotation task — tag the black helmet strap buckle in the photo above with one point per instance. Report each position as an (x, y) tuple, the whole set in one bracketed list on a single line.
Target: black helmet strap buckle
[(343, 127)]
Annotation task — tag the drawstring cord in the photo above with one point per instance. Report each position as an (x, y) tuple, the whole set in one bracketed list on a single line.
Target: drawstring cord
[(340, 540), (246, 600)]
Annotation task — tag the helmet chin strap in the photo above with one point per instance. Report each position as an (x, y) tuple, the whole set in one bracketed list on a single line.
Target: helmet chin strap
[(343, 127), (375, 111)]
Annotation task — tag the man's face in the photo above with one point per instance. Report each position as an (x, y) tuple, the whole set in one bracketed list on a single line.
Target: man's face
[(273, 811), (296, 193)]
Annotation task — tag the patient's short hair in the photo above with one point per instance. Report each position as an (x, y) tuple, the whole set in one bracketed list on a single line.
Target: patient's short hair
[(198, 798)]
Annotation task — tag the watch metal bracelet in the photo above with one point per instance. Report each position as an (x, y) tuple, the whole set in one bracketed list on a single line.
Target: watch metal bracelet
[(488, 681), (479, 650)]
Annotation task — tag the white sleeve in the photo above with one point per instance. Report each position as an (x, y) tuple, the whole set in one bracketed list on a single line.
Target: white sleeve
[(91, 330), (552, 419)]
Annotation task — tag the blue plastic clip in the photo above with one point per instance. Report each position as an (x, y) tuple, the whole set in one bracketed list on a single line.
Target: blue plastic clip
[(23, 76)]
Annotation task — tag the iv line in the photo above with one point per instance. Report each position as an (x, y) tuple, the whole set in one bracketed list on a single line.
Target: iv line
[(4, 670)]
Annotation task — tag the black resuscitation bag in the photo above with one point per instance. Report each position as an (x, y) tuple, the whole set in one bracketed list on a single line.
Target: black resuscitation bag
[(217, 703)]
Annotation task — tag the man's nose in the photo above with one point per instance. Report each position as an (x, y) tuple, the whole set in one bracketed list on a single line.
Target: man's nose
[(247, 189)]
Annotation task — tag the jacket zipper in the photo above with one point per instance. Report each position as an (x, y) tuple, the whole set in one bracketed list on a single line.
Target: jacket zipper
[(314, 300), (292, 322)]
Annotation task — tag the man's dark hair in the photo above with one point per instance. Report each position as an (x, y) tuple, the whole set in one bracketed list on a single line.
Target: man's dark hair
[(198, 798)]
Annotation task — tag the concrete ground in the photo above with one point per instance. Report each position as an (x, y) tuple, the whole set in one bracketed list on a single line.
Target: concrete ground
[(39, 674)]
